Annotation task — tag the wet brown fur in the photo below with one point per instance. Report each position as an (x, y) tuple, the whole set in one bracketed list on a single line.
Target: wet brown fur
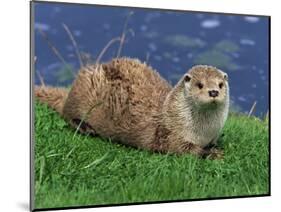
[(127, 101)]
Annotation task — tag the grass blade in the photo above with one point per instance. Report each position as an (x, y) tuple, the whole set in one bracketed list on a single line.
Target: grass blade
[(97, 161)]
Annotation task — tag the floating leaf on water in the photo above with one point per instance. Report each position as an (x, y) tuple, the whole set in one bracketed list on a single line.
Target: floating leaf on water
[(174, 77), (242, 99), (151, 34), (65, 74), (175, 59), (216, 58), (106, 26), (233, 107), (210, 23), (158, 57), (227, 46), (251, 19), (247, 42), (41, 26), (152, 47), (167, 55), (151, 15), (77, 33), (184, 41), (143, 28)]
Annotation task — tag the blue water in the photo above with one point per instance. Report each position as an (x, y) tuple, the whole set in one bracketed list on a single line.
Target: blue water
[(169, 41)]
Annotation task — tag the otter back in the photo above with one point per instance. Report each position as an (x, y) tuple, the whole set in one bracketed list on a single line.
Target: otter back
[(119, 100)]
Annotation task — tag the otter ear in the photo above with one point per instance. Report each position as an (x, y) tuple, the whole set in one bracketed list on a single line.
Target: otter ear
[(225, 76), (187, 78)]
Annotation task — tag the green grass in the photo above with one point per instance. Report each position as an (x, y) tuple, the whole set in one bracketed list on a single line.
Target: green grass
[(75, 170)]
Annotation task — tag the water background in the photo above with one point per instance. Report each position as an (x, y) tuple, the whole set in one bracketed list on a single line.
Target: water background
[(170, 41)]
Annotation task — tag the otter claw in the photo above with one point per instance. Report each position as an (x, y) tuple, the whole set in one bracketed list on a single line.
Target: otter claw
[(215, 154)]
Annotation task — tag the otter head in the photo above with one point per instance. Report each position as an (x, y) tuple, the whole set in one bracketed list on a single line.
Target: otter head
[(206, 86)]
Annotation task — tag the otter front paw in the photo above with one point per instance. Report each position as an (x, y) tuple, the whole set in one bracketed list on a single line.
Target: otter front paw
[(214, 153)]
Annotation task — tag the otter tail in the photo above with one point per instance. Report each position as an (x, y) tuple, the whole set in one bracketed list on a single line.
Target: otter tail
[(53, 97)]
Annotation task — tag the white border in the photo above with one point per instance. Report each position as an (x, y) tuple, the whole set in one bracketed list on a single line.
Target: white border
[(14, 105)]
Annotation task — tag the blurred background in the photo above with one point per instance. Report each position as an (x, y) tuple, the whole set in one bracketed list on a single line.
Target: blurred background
[(169, 41)]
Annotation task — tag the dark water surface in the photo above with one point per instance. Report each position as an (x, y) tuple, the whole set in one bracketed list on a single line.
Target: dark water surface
[(171, 42)]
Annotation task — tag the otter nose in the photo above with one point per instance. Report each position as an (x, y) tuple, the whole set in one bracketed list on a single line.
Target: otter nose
[(213, 93)]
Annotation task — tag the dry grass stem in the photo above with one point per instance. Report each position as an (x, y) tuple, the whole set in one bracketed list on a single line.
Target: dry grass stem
[(40, 78), (85, 116), (124, 32), (147, 57), (54, 49), (38, 73), (112, 41), (252, 109), (74, 44), (267, 116)]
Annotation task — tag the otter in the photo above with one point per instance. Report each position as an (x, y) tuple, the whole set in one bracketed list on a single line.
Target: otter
[(129, 102)]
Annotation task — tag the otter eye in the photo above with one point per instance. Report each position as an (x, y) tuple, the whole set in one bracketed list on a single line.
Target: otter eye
[(199, 85), (187, 78), (221, 85)]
